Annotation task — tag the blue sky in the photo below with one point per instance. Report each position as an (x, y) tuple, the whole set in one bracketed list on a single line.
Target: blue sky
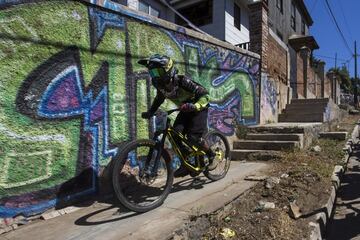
[(347, 14)]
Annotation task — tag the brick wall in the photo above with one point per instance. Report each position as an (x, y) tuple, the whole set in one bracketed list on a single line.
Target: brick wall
[(259, 31), (277, 69), (277, 66), (311, 82)]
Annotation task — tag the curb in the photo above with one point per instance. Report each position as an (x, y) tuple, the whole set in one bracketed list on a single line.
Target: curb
[(322, 218)]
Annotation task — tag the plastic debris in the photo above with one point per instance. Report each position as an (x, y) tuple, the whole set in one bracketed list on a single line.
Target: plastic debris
[(271, 182), (264, 206), (227, 233), (227, 219)]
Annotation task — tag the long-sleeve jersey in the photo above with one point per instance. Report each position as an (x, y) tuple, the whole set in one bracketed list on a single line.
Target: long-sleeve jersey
[(184, 90)]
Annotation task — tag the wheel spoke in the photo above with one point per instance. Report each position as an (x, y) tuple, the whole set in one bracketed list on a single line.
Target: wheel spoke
[(138, 183), (220, 146)]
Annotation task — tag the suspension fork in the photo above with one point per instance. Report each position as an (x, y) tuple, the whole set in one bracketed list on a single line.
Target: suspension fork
[(159, 146)]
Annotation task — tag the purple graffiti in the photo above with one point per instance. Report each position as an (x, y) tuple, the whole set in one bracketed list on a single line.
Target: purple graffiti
[(97, 112), (222, 116), (64, 96)]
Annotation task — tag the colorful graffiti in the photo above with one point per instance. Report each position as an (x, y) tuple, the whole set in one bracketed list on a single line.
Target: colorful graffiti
[(269, 102), (71, 91)]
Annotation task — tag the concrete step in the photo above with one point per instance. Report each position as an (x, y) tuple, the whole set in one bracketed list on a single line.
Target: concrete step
[(277, 129), (254, 155), (265, 145), (334, 135), (306, 106), (319, 117), (309, 101), (274, 137), (308, 110)]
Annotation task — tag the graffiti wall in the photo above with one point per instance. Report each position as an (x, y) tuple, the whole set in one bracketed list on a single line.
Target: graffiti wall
[(71, 91), (269, 100)]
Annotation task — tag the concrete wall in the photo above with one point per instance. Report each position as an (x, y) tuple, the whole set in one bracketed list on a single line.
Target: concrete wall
[(269, 99), (299, 80), (333, 87), (327, 87), (71, 91)]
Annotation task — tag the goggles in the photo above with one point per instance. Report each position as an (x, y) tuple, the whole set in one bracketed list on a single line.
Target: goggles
[(157, 72)]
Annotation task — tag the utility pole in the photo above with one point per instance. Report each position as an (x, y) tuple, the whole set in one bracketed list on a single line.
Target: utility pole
[(335, 61), (355, 80)]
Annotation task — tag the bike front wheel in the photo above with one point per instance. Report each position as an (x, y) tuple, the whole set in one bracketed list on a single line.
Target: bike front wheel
[(140, 182), (220, 146)]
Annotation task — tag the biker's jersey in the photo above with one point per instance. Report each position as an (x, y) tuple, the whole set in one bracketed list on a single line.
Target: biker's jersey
[(182, 90)]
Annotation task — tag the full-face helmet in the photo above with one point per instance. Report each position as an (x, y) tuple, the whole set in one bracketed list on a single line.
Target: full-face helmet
[(160, 67)]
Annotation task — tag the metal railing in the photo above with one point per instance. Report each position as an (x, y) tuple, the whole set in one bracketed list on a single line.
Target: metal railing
[(245, 45)]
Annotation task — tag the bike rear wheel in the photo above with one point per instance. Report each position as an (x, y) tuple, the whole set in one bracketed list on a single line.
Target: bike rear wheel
[(142, 187), (220, 146)]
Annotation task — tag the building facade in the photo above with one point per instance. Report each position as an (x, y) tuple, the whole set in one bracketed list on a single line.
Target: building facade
[(278, 30), (225, 20)]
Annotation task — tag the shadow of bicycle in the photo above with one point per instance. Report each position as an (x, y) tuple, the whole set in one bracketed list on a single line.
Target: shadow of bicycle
[(113, 211), (105, 215)]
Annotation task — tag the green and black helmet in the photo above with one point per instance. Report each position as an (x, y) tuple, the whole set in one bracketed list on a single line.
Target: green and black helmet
[(160, 66)]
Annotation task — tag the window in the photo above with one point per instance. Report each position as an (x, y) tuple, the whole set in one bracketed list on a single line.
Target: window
[(123, 2), (279, 5), (146, 8), (303, 27), (293, 16), (199, 14), (154, 12), (237, 16)]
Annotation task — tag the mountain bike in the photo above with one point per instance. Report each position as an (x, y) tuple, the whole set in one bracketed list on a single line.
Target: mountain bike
[(143, 171)]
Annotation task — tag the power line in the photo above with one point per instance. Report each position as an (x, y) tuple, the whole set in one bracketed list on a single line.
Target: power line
[(341, 59), (313, 6), (337, 27), (346, 22)]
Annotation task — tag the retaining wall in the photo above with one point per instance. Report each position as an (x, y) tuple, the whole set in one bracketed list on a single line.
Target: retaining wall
[(71, 91)]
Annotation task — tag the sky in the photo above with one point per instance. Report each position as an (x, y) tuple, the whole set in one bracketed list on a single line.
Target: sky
[(347, 14)]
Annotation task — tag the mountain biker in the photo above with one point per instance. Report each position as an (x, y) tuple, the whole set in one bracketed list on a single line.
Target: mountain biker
[(191, 98)]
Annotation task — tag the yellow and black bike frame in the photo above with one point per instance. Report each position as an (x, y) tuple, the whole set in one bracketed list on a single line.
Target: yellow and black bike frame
[(176, 139)]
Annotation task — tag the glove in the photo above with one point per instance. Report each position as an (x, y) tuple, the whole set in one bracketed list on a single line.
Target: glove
[(147, 115), (187, 107)]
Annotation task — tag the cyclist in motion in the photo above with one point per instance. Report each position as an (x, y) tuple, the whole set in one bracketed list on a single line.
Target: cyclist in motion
[(191, 98)]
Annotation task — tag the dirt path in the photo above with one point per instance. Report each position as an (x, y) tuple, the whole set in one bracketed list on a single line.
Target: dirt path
[(299, 182)]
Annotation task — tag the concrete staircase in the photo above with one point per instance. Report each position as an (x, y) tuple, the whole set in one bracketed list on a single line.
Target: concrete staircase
[(305, 110), (266, 141)]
